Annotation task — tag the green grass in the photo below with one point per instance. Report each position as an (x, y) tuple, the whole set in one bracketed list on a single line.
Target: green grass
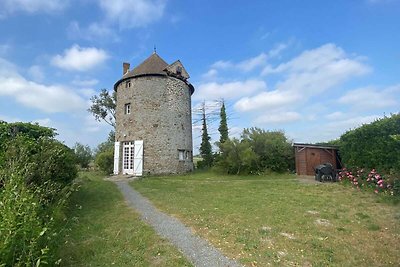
[(277, 220), (106, 232)]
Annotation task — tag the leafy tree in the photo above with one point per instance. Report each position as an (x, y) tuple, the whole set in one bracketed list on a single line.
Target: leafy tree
[(257, 151), (83, 155), (107, 145), (237, 157), (223, 125), (103, 107), (205, 146), (274, 150)]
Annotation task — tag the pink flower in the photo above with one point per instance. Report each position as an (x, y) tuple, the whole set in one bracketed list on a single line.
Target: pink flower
[(376, 191)]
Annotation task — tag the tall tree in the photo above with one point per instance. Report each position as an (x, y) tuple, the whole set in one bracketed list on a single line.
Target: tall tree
[(223, 125), (205, 147), (83, 155), (103, 107)]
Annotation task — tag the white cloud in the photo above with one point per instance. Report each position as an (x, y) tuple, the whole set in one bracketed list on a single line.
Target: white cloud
[(210, 75), (329, 57), (267, 100), (133, 13), (337, 115), (94, 32), (371, 98), (278, 117), (311, 73), (31, 6), (36, 73), (245, 65), (252, 63), (350, 122), (43, 122), (87, 92), (277, 50), (222, 64), (230, 90), (85, 83), (80, 58), (47, 98)]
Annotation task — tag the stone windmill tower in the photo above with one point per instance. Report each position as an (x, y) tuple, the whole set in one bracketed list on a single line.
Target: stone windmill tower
[(153, 119)]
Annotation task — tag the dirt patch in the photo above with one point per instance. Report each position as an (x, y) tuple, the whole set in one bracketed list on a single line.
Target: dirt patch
[(323, 222), (289, 236), (307, 179), (125, 177)]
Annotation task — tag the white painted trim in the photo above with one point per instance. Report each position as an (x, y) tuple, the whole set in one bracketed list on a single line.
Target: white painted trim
[(138, 158), (116, 157)]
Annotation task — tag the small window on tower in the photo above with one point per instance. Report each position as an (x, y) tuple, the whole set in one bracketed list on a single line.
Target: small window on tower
[(128, 108), (181, 154), (128, 84), (179, 70)]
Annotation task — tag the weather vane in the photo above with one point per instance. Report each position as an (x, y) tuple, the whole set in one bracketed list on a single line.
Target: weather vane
[(155, 49)]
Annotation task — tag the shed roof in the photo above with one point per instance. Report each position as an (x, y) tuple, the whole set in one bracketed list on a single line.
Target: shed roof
[(316, 146)]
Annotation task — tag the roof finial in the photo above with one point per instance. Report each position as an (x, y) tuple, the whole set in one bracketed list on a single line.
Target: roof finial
[(155, 49)]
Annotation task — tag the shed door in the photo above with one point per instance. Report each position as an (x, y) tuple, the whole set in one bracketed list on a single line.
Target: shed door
[(313, 160), (128, 150), (138, 159)]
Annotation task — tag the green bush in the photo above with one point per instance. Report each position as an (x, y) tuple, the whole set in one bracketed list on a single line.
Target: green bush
[(41, 160), (35, 176), (374, 145), (257, 151), (105, 161)]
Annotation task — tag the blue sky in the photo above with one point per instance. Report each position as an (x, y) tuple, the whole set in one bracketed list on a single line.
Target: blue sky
[(311, 68)]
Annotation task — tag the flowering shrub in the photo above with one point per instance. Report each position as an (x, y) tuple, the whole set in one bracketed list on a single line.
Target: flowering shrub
[(378, 182)]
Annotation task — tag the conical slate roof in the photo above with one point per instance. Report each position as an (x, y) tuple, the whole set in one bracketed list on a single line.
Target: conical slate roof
[(152, 65)]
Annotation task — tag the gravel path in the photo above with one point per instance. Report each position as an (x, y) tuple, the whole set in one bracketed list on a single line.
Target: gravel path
[(197, 250)]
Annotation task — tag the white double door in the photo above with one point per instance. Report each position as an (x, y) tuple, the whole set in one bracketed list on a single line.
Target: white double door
[(132, 157)]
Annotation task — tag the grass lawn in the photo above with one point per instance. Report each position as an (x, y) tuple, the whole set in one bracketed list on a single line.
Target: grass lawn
[(277, 220), (105, 232)]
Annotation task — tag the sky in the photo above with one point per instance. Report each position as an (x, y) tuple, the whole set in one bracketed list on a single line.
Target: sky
[(311, 68)]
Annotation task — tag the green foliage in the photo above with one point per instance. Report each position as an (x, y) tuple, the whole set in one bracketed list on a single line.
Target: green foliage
[(28, 221), (223, 125), (107, 145), (374, 145), (105, 161), (83, 155), (10, 130), (35, 173), (103, 107), (257, 151), (237, 157), (41, 160), (205, 146)]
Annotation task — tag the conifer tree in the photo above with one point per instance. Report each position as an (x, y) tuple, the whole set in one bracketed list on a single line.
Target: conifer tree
[(205, 147), (223, 125)]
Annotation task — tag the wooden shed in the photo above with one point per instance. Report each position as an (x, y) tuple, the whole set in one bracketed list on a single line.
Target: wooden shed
[(309, 156)]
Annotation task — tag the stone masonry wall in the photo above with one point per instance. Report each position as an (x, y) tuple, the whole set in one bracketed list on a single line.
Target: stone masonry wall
[(161, 117)]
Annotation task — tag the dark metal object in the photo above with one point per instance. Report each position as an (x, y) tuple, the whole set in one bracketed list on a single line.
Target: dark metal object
[(325, 172)]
